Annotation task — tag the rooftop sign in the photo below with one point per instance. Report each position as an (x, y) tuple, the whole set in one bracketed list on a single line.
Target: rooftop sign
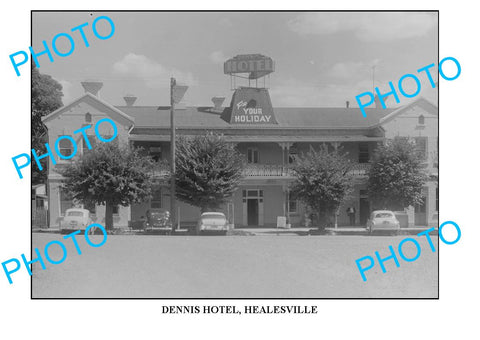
[(250, 106), (256, 65)]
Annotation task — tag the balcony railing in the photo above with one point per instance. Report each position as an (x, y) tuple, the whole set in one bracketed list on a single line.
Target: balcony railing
[(269, 170), (360, 169), (161, 170)]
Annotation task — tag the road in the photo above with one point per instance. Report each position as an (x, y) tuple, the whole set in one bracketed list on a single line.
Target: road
[(233, 266)]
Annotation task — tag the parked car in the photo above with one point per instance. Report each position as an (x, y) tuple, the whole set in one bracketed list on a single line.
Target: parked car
[(383, 220), (158, 220), (212, 222), (75, 219)]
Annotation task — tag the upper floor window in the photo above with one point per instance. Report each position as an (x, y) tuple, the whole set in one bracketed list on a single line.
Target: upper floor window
[(252, 155), (421, 120), (292, 155), (156, 153), (88, 117), (363, 153), (92, 139)]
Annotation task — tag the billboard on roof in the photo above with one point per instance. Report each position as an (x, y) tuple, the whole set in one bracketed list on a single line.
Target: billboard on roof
[(256, 65)]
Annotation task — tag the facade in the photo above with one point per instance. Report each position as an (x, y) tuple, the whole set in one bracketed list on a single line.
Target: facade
[(269, 137)]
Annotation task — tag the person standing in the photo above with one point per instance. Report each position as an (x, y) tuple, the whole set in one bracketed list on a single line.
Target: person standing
[(351, 213)]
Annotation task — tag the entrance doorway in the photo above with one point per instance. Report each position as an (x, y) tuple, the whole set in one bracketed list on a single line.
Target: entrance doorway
[(364, 207), (252, 207), (252, 211)]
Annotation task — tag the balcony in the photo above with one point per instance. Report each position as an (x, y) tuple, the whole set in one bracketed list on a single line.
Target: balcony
[(274, 170), (161, 170), (268, 170), (360, 169)]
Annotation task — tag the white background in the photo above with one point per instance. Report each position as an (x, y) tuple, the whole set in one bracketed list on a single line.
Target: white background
[(454, 315)]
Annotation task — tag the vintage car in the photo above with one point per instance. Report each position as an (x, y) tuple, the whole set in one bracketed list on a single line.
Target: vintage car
[(75, 219), (383, 220), (158, 221), (212, 222)]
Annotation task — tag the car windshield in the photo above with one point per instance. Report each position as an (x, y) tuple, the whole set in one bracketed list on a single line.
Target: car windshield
[(383, 215), (75, 213)]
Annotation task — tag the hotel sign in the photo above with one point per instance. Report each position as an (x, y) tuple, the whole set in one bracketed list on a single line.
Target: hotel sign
[(251, 106), (256, 65)]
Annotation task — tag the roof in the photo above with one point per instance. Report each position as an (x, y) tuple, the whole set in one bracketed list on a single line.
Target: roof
[(91, 99), (420, 101), (287, 117)]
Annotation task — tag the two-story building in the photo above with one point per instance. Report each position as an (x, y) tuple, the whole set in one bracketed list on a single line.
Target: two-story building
[(269, 137)]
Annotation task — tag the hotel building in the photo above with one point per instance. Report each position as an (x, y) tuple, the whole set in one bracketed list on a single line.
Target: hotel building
[(270, 138)]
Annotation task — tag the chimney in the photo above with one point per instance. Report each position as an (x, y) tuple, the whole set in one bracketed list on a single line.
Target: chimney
[(378, 104), (217, 102), (347, 103), (92, 86), (130, 99)]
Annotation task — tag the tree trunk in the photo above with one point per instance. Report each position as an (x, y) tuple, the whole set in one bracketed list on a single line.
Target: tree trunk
[(109, 215), (325, 218)]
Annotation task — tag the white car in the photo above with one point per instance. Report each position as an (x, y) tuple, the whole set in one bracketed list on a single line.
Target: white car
[(212, 221), (75, 219), (383, 220)]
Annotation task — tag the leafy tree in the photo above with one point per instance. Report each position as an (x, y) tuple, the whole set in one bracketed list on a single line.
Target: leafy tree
[(208, 171), (110, 175), (323, 182), (397, 175), (46, 98)]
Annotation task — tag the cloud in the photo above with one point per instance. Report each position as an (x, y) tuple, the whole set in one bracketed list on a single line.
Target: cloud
[(154, 74), (296, 93), (218, 57), (348, 70), (367, 26)]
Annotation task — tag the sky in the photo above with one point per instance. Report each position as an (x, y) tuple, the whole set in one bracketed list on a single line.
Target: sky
[(322, 59)]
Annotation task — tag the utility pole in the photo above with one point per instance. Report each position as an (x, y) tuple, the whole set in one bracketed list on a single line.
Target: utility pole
[(373, 79), (173, 210)]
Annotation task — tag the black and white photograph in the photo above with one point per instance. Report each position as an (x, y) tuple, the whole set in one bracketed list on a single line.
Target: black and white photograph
[(235, 154), (239, 170)]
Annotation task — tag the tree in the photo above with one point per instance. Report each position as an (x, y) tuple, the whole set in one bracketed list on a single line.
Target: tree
[(110, 175), (46, 98), (208, 171), (323, 182), (397, 175)]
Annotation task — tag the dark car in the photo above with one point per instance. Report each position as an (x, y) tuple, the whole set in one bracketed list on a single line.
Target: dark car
[(158, 220)]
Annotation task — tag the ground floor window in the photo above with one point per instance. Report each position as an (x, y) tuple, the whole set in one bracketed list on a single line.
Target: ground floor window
[(421, 207), (156, 201), (292, 206), (65, 201)]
